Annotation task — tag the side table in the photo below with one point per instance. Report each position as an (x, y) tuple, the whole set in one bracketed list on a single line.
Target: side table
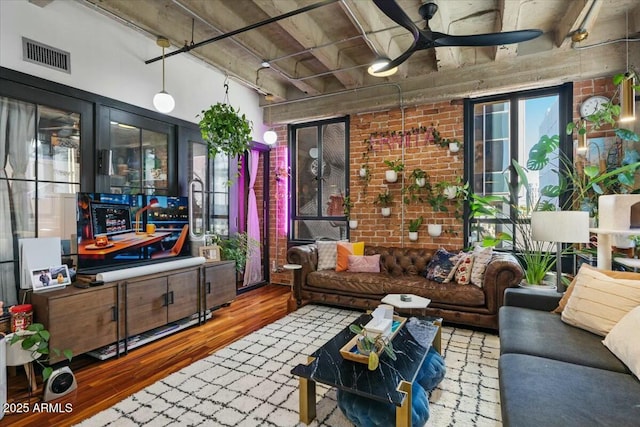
[(291, 302)]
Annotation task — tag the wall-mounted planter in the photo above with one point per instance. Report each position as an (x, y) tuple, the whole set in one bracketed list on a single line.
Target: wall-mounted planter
[(363, 172), (454, 147), (385, 211), (450, 192), (421, 182), (353, 224), (391, 175), (434, 230), (413, 236)]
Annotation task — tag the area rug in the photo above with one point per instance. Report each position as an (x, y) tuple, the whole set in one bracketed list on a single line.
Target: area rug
[(248, 383)]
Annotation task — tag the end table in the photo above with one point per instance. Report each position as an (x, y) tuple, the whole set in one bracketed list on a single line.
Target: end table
[(292, 305)]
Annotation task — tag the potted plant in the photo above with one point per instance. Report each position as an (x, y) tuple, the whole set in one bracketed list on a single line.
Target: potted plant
[(384, 200), (437, 201), (394, 166), (237, 248), (370, 346), (419, 176), (453, 144), (225, 131), (434, 230), (347, 205), (364, 171), (34, 343), (414, 226)]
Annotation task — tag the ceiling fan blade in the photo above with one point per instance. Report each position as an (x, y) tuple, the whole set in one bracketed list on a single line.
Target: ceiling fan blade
[(491, 39), (400, 59), (397, 15)]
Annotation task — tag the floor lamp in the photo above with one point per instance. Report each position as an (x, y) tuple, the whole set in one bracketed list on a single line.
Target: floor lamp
[(560, 227)]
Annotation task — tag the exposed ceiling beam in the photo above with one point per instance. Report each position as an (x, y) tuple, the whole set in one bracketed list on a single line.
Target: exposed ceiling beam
[(446, 57), (507, 21), (580, 15), (41, 3)]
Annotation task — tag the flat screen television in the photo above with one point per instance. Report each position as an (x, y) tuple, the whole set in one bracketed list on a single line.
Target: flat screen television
[(121, 230)]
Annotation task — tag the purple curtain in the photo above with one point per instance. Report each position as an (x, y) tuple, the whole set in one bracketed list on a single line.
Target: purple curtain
[(253, 269)]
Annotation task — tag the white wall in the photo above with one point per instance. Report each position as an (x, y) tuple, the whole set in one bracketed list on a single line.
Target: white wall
[(107, 58)]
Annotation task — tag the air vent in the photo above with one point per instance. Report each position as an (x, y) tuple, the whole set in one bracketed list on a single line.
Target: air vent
[(40, 53)]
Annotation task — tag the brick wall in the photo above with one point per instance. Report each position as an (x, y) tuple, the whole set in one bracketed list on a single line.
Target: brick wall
[(440, 164)]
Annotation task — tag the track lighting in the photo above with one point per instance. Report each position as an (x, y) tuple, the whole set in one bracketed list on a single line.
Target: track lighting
[(162, 101)]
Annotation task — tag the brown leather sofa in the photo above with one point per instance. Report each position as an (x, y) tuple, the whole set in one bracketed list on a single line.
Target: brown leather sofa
[(400, 273)]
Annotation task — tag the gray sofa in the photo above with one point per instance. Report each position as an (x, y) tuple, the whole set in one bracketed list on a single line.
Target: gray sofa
[(553, 374)]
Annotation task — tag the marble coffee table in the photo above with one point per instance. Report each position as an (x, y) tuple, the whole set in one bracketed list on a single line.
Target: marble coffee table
[(390, 383)]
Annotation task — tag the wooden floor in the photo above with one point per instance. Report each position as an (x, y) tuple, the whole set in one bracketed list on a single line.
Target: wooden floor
[(101, 384)]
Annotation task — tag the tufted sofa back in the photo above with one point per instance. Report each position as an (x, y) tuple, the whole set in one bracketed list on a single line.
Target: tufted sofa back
[(401, 261)]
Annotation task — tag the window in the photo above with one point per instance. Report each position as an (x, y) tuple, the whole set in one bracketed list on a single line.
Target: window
[(40, 147), (501, 128), (139, 154), (211, 202), (319, 159)]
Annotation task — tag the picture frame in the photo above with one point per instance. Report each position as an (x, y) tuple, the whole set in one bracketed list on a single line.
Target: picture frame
[(210, 253), (47, 279)]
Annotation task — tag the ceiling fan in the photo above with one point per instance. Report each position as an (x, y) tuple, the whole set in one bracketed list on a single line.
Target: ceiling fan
[(427, 39)]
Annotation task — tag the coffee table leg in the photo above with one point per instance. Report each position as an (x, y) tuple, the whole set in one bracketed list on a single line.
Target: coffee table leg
[(307, 400), (403, 413), (437, 340)]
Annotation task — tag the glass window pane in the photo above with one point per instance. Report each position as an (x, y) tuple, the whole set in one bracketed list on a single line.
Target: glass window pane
[(24, 207), (221, 173), (125, 148), (308, 171), (58, 145), (333, 169), (20, 127), (154, 151), (199, 159), (319, 229), (57, 213)]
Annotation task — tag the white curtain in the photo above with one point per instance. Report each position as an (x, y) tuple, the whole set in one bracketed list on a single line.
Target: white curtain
[(253, 269), (8, 292)]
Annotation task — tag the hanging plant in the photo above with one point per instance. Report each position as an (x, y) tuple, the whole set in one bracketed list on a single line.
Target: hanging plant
[(225, 130)]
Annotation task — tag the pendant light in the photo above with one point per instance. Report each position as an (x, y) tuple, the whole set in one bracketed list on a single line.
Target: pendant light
[(627, 91), (162, 101), (270, 137)]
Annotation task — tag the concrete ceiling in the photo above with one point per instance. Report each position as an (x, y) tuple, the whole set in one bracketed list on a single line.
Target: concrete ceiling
[(317, 60)]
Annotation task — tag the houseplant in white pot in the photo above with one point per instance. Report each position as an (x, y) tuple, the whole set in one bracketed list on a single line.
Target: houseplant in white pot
[(394, 166), (434, 230), (419, 176), (384, 199), (414, 226)]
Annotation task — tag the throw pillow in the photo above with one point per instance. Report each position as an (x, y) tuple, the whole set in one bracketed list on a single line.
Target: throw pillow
[(344, 249), (481, 258), (456, 259), (327, 254), (463, 271), (598, 301), (623, 340), (439, 266), (364, 263), (358, 248), (611, 273)]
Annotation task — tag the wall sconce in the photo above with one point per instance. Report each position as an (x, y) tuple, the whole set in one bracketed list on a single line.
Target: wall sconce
[(153, 202), (162, 101), (627, 99), (582, 137), (380, 63)]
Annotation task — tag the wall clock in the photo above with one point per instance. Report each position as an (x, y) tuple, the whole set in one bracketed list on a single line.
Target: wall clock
[(592, 104)]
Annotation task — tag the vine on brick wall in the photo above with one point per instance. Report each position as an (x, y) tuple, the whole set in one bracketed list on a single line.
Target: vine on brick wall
[(414, 136)]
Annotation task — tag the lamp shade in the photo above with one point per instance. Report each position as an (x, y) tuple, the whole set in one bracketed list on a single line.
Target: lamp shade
[(163, 102), (560, 226), (270, 137)]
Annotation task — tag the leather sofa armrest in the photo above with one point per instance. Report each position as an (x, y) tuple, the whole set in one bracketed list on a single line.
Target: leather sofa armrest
[(307, 257), (502, 272), (528, 298)]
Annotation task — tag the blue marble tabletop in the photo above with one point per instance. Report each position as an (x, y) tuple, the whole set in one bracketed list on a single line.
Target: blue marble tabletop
[(330, 368)]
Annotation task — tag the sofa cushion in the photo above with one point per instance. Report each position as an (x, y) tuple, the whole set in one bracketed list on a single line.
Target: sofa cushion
[(327, 254), (610, 273), (598, 301), (463, 269), (344, 249), (370, 284), (481, 258), (623, 340), (443, 293), (440, 266), (536, 392), (401, 261), (543, 334), (364, 263)]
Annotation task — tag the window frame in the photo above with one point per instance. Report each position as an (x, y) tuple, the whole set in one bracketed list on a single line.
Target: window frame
[(565, 115), (292, 211)]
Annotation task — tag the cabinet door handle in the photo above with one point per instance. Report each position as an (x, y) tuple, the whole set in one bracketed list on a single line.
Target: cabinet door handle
[(114, 314), (208, 287), (171, 297), (166, 300)]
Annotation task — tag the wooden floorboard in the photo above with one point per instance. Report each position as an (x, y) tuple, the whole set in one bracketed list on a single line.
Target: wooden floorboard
[(102, 384)]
